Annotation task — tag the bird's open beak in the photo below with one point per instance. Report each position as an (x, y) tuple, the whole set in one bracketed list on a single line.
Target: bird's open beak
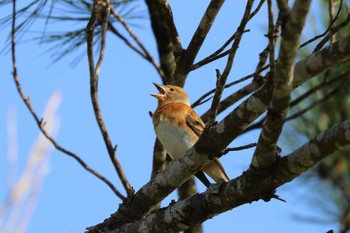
[(161, 92)]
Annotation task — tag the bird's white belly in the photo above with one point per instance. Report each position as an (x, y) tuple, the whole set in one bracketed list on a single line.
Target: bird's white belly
[(175, 140)]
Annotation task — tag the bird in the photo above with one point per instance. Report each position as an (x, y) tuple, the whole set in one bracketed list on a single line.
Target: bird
[(178, 128)]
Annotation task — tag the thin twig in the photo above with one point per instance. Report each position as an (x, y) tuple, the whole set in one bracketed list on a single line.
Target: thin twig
[(332, 32), (272, 35), (217, 54), (104, 10), (256, 9), (40, 121), (227, 150), (235, 97), (315, 103), (327, 30), (324, 84), (295, 102), (202, 100), (221, 79), (145, 53), (216, 100), (209, 59), (188, 57)]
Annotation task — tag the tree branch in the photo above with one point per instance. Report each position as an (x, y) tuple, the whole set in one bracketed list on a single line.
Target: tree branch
[(248, 187), (187, 58), (331, 25), (102, 10), (145, 53), (331, 32), (220, 136), (203, 98), (221, 79), (40, 121), (168, 41), (235, 97), (282, 78)]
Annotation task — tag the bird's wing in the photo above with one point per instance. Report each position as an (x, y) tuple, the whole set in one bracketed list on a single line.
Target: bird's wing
[(194, 122), (214, 169)]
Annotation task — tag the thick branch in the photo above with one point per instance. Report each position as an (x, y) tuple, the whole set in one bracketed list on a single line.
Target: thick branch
[(168, 41), (310, 66), (265, 155), (244, 189), (219, 137)]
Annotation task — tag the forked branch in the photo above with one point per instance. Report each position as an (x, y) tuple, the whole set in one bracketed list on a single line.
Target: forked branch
[(40, 122), (102, 10)]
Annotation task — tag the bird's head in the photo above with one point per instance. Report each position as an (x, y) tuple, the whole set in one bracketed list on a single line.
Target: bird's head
[(171, 94)]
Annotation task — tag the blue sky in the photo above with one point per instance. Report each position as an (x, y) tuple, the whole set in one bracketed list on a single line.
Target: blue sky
[(72, 199)]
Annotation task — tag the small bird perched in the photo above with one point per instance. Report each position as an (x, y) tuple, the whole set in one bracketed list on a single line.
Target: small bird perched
[(178, 128)]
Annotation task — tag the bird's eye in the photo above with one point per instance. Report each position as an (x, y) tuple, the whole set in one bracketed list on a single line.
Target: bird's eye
[(171, 89)]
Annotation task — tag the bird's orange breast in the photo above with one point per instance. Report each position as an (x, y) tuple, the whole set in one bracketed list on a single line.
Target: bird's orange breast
[(171, 129)]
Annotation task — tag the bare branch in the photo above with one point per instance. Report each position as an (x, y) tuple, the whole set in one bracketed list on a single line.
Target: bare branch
[(213, 111), (39, 121), (235, 97), (217, 54), (250, 186), (325, 83), (257, 9), (220, 135), (227, 150), (187, 190), (265, 155), (256, 83), (102, 11), (331, 32), (188, 57), (145, 53), (331, 24), (221, 79), (295, 102), (166, 35), (317, 102)]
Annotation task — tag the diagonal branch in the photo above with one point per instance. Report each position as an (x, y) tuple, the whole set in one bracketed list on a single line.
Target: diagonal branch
[(235, 97), (331, 25), (188, 57), (168, 41), (39, 121), (145, 53), (265, 154), (219, 136), (101, 10), (332, 32), (246, 188), (221, 79)]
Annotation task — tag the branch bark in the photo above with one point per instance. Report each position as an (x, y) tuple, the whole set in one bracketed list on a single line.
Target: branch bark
[(220, 136), (308, 67), (265, 154), (187, 58), (248, 187), (168, 41), (102, 10), (39, 121)]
